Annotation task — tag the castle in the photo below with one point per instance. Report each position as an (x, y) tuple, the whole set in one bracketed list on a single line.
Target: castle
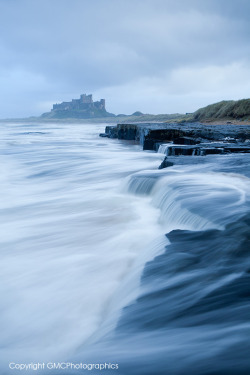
[(82, 108), (84, 103)]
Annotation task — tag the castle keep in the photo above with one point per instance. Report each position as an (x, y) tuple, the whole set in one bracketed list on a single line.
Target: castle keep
[(84, 103), (82, 108)]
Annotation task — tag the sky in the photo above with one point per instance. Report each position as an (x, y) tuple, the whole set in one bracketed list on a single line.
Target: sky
[(153, 56)]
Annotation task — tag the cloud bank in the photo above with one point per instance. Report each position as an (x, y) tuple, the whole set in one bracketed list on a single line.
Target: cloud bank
[(156, 56)]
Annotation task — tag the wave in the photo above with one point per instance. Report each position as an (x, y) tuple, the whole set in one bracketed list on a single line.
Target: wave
[(192, 311)]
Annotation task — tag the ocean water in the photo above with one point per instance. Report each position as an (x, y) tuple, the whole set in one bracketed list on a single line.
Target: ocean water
[(107, 260)]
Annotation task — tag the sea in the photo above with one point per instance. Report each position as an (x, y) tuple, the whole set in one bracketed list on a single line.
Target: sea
[(112, 266)]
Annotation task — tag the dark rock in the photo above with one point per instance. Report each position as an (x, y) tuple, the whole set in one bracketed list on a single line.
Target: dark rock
[(194, 150), (210, 151), (127, 131), (166, 163), (186, 141), (103, 135), (182, 150), (160, 135), (150, 135), (237, 149), (111, 131)]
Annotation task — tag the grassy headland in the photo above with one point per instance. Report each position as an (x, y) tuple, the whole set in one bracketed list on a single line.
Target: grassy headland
[(225, 110)]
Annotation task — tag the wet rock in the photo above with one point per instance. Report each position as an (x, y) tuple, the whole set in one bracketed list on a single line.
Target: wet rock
[(111, 131), (160, 135), (210, 151), (230, 140), (159, 145), (150, 135), (186, 141), (237, 149), (182, 150), (195, 150), (127, 131), (166, 163)]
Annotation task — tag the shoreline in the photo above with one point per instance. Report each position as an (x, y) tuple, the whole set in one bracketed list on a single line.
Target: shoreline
[(190, 139), (149, 119)]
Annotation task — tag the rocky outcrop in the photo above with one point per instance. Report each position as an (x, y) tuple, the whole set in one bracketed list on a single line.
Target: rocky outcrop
[(152, 135), (204, 149), (185, 141), (127, 131), (111, 131), (166, 163), (174, 139)]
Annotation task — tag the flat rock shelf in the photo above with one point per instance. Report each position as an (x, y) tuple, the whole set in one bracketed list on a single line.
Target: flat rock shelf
[(184, 138)]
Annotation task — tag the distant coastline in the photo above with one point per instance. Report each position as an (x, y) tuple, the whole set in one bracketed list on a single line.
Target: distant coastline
[(233, 112)]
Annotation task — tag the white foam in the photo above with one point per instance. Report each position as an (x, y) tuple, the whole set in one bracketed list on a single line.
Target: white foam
[(69, 237)]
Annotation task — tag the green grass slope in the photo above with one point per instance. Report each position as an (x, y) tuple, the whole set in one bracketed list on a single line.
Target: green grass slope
[(238, 110)]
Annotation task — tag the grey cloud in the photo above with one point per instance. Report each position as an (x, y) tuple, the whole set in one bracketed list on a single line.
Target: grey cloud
[(69, 47)]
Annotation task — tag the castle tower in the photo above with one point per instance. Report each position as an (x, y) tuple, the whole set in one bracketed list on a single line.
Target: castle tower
[(102, 102), (86, 99)]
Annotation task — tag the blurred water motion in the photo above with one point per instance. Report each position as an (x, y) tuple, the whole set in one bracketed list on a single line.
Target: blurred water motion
[(87, 270)]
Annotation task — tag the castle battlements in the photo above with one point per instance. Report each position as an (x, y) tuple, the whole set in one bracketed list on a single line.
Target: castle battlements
[(84, 103)]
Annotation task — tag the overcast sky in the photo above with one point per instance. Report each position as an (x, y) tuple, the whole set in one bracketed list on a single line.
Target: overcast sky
[(155, 56)]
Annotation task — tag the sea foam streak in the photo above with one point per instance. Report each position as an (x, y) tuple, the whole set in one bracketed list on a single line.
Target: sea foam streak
[(68, 236)]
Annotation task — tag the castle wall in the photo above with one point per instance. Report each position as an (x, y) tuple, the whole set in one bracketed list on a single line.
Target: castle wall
[(84, 103), (86, 98)]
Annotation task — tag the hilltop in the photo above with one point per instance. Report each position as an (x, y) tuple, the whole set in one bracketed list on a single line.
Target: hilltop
[(224, 110), (83, 108)]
